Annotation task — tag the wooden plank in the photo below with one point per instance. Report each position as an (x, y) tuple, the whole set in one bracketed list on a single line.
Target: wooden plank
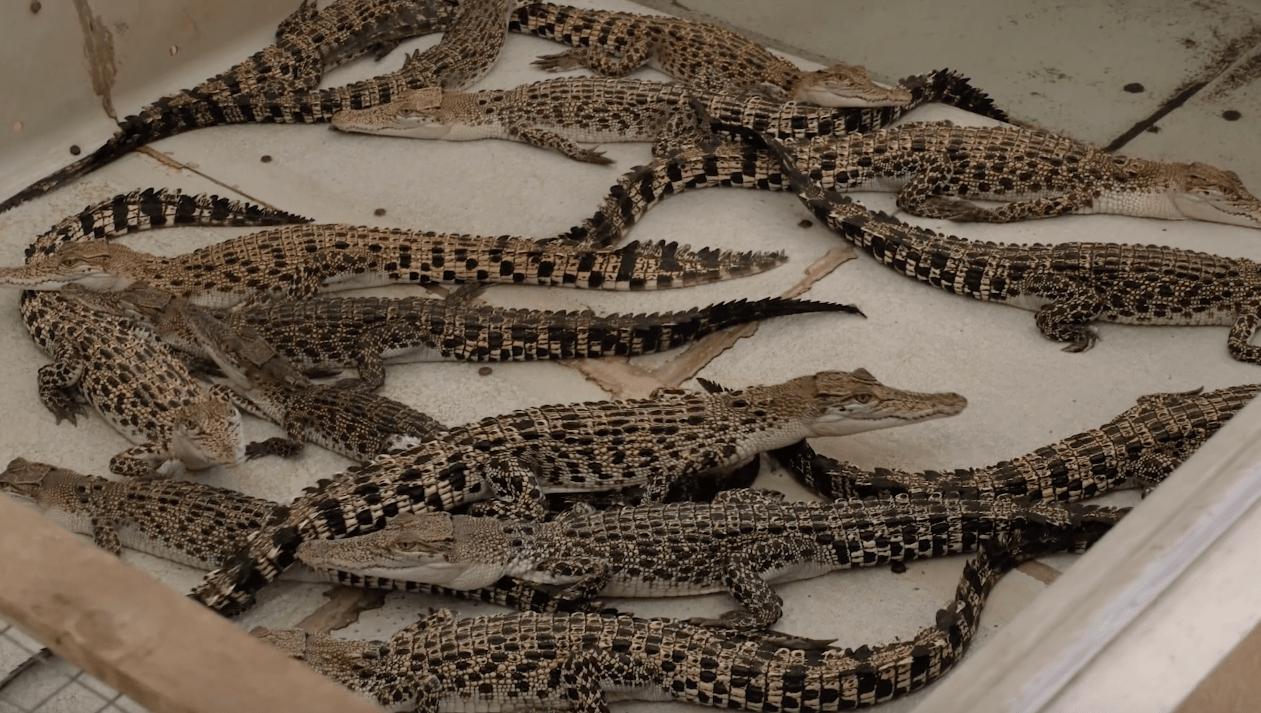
[(1233, 685), (124, 627)]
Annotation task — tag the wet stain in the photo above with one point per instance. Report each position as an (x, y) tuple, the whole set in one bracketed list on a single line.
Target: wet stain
[(1231, 115), (1189, 43), (1134, 88), (98, 49)]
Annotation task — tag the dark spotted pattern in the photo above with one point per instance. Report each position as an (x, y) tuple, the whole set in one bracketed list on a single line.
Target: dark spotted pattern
[(135, 382), (295, 262), (727, 163), (1140, 446), (202, 526), (738, 543), (601, 445), (548, 662), (327, 334), (307, 43), (1068, 285)]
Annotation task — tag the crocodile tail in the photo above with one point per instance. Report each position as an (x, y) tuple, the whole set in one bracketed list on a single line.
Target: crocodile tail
[(667, 330), (947, 87), (652, 266), (153, 123), (957, 622), (152, 208), (230, 589), (643, 187)]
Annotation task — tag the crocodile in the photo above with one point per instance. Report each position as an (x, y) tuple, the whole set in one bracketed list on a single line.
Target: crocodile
[(133, 381), (325, 335), (581, 662), (352, 422), (202, 526), (308, 43), (924, 163), (1068, 285), (1141, 446), (603, 445), (559, 113), (297, 261), (699, 54), (741, 543)]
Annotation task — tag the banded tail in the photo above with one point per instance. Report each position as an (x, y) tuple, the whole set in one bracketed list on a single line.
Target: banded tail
[(152, 208), (646, 266)]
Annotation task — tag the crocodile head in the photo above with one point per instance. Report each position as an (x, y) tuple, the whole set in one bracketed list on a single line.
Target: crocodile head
[(208, 433), (1202, 192), (415, 114), (93, 264), (57, 492), (853, 402), (341, 661), (431, 547), (843, 85)]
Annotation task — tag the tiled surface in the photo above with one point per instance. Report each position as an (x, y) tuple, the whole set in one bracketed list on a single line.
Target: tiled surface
[(1062, 66)]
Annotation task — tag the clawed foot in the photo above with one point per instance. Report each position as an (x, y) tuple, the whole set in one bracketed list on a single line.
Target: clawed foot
[(65, 408), (592, 156), (1084, 342), (560, 62), (957, 210)]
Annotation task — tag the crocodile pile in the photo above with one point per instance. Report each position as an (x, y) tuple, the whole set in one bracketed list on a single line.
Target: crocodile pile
[(548, 507)]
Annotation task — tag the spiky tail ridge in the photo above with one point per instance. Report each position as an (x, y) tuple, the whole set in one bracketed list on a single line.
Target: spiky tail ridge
[(646, 266), (153, 208)]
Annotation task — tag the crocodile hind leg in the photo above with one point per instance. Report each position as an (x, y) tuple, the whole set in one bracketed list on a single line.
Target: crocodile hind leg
[(627, 60), (760, 606), (549, 140), (1241, 333), (515, 491)]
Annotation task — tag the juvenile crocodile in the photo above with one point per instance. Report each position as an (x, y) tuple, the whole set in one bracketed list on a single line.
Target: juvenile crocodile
[(355, 423), (581, 662), (1068, 285), (1047, 175), (603, 445), (307, 43), (557, 113), (325, 335), (1141, 447), (741, 543), (700, 54), (296, 262), (133, 381), (202, 526)]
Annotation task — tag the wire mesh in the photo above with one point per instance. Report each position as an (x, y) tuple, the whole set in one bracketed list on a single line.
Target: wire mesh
[(36, 683)]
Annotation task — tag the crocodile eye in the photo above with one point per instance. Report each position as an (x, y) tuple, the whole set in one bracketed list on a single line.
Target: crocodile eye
[(862, 398)]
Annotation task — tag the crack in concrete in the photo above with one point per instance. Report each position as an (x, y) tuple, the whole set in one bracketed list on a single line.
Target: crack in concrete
[(98, 49), (1237, 54)]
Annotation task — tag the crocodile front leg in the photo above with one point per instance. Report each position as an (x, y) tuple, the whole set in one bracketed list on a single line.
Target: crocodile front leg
[(516, 494), (544, 139), (105, 536), (1241, 334), (609, 64), (967, 212), (143, 461), (57, 382)]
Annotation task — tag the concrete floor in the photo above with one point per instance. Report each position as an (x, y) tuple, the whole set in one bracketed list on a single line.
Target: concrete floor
[(1158, 79)]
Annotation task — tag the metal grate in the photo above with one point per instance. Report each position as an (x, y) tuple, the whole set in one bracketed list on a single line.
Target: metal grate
[(48, 684)]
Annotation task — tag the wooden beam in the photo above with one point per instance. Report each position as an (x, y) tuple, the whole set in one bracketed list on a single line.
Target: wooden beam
[(166, 652)]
